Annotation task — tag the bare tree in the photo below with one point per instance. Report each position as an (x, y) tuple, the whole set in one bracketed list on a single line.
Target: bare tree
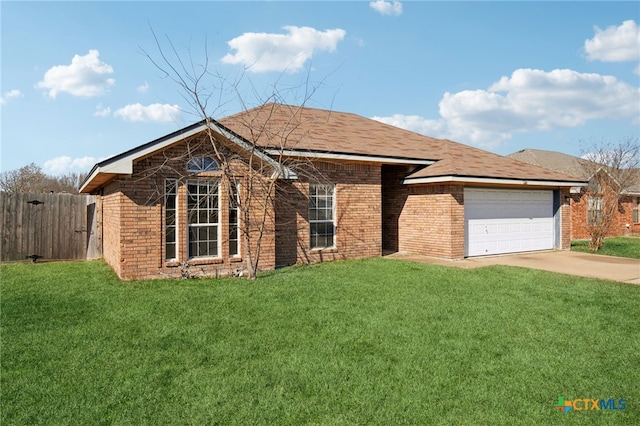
[(613, 170), (31, 178), (253, 188)]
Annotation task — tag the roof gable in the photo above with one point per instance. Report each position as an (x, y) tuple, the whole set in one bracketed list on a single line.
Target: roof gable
[(122, 164)]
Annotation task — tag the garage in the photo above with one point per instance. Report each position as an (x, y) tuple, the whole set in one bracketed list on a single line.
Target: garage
[(499, 221)]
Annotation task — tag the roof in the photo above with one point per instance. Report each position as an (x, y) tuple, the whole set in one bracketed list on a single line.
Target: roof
[(570, 165), (309, 130), (554, 160), (316, 133)]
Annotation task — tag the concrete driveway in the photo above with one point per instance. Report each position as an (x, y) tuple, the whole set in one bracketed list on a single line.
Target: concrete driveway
[(565, 262)]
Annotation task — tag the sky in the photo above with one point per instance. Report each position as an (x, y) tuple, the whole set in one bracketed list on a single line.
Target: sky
[(83, 81)]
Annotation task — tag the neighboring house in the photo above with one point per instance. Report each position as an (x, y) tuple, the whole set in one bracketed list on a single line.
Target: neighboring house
[(584, 206), (378, 188)]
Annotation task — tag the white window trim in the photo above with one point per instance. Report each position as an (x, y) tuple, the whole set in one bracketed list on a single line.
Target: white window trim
[(219, 224), (333, 221), (213, 166), (239, 253), (176, 225)]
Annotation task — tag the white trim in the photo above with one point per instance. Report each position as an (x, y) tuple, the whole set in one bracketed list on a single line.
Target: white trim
[(493, 181), (333, 212), (218, 224), (354, 157), (238, 219), (176, 225)]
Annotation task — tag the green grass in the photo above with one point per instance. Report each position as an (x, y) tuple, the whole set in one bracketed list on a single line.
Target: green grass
[(375, 341), (614, 246)]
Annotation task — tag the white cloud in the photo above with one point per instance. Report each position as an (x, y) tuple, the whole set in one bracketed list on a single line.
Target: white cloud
[(528, 101), (159, 113), (86, 76), (386, 8), (143, 88), (415, 123), (615, 44), (10, 95), (263, 52), (65, 163), (102, 111)]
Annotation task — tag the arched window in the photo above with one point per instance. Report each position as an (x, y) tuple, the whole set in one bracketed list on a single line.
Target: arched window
[(202, 164)]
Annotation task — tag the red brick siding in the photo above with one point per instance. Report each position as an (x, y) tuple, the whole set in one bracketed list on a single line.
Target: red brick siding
[(579, 217), (111, 226), (424, 218), (432, 221), (134, 220), (565, 219), (358, 214)]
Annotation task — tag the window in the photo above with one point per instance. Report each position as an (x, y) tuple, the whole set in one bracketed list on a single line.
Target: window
[(202, 164), (594, 209), (636, 218), (234, 221), (170, 196), (322, 216), (203, 218)]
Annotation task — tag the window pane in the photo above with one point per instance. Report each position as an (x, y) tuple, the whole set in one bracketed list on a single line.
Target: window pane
[(170, 251), (202, 164), (321, 215), (171, 235), (203, 217), (171, 189)]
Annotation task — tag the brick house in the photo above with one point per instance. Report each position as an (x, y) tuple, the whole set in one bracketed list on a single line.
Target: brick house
[(346, 187), (583, 205)]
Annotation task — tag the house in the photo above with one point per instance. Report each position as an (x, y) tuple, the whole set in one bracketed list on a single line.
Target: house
[(585, 207), (346, 187)]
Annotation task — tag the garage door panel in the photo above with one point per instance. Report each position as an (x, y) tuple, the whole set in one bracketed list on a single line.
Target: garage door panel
[(508, 221)]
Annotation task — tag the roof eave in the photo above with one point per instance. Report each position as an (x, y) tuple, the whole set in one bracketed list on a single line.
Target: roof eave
[(326, 155), (492, 181)]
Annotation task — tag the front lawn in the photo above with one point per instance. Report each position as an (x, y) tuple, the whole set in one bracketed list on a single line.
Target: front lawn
[(375, 341), (613, 246)]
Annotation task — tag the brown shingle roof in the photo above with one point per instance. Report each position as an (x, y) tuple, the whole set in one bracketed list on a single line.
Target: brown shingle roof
[(570, 165), (557, 161), (309, 129)]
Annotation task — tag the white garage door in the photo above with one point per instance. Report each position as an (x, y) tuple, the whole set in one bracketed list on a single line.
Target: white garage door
[(507, 221)]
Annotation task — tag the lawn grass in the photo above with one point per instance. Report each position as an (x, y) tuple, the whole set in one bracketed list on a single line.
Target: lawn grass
[(613, 246), (375, 341)]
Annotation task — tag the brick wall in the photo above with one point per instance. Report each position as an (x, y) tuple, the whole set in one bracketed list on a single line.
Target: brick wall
[(358, 213), (624, 216), (565, 219), (133, 214), (424, 218), (111, 226), (432, 221)]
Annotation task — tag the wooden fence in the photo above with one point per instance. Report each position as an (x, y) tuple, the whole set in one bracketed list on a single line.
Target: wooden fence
[(50, 226)]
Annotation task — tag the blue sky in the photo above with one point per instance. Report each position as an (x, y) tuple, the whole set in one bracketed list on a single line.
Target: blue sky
[(77, 86)]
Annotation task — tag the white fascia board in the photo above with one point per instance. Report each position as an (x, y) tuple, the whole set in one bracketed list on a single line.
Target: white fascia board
[(352, 157), (492, 181)]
